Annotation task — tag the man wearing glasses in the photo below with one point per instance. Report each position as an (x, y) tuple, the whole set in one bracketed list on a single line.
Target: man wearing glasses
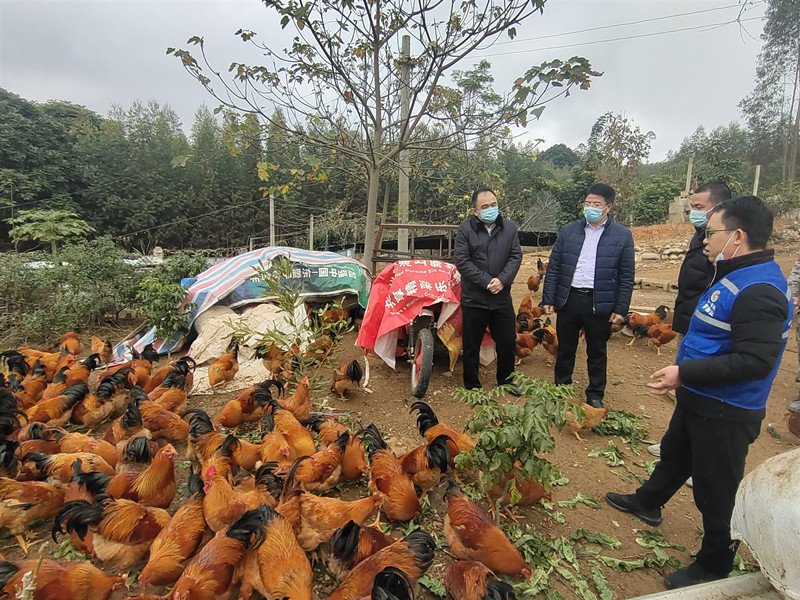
[(723, 375), (589, 284)]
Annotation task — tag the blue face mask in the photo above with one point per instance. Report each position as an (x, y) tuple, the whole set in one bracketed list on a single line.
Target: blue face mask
[(591, 214), (698, 218), (489, 215)]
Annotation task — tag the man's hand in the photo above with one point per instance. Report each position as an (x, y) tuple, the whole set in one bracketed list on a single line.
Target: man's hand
[(616, 319), (548, 309), (495, 286), (668, 379)]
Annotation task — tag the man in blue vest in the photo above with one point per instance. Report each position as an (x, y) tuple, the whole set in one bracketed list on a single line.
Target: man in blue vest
[(723, 375)]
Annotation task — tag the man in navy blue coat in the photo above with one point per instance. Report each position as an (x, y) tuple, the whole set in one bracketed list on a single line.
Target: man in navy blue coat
[(589, 283)]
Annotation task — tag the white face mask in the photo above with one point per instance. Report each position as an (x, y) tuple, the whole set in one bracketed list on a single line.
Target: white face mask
[(721, 255)]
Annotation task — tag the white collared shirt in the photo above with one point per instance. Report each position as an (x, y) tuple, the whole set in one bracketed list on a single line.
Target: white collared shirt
[(584, 270)]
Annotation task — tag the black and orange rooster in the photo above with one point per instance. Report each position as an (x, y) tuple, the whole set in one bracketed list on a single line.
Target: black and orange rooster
[(346, 377)]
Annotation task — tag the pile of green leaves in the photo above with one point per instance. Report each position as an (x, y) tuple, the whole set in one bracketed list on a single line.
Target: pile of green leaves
[(625, 425), (511, 432)]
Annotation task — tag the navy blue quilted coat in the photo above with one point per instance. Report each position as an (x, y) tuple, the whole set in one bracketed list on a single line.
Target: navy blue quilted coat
[(614, 269)]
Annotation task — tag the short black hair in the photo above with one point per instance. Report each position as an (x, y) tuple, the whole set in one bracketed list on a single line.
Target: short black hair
[(604, 190), (749, 214), (479, 191), (718, 191)]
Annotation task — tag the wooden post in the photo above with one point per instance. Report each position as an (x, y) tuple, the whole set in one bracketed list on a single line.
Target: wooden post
[(311, 233), (271, 220), (755, 181)]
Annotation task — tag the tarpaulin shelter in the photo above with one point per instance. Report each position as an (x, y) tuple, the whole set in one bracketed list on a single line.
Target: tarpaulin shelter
[(233, 283)]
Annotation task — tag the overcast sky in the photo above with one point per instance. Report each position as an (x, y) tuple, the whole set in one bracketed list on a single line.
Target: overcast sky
[(99, 53)]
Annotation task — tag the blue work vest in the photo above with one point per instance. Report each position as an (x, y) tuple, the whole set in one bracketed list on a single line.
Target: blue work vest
[(709, 333)]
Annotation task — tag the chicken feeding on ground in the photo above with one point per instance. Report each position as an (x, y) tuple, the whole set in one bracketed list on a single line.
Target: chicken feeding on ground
[(322, 470), (530, 490), (72, 342), (183, 366), (427, 463), (178, 540), (354, 463), (430, 428), (205, 441), (299, 403), (126, 426), (388, 479), (472, 580), (278, 567), (353, 543), (346, 377), (279, 362), (547, 337), (533, 284), (57, 580), (318, 517), (60, 465), (210, 573), (593, 417), (249, 406), (80, 370), (155, 486), (412, 556), (123, 530), (22, 502), (300, 439), (659, 335), (473, 535), (525, 344), (58, 410), (224, 369), (136, 454)]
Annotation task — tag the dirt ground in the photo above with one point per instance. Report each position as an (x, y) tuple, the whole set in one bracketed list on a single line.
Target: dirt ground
[(628, 372)]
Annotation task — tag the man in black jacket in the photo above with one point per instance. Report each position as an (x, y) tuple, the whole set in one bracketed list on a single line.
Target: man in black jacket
[(723, 376), (488, 256), (589, 283), (696, 270)]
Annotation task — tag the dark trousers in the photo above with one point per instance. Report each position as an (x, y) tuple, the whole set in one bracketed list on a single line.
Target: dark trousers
[(502, 327), (578, 314), (713, 453)]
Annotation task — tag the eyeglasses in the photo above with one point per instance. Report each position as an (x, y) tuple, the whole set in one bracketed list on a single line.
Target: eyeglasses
[(710, 232)]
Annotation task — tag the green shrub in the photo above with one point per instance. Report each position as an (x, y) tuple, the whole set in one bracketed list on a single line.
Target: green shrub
[(46, 296)]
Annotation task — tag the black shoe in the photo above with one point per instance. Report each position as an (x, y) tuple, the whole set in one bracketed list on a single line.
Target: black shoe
[(627, 503), (692, 575), (515, 391), (594, 402)]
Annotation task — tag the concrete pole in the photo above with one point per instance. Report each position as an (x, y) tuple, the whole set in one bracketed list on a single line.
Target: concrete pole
[(403, 193), (271, 220), (755, 181), (311, 233), (689, 175)]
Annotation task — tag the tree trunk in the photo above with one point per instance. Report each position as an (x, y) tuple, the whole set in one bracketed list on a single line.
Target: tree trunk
[(372, 209), (795, 140), (387, 187), (53, 248)]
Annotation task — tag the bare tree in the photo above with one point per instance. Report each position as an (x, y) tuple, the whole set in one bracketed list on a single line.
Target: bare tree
[(339, 82)]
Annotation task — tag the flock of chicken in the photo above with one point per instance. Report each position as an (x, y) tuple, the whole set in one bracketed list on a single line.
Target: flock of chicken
[(251, 512), (533, 331)]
